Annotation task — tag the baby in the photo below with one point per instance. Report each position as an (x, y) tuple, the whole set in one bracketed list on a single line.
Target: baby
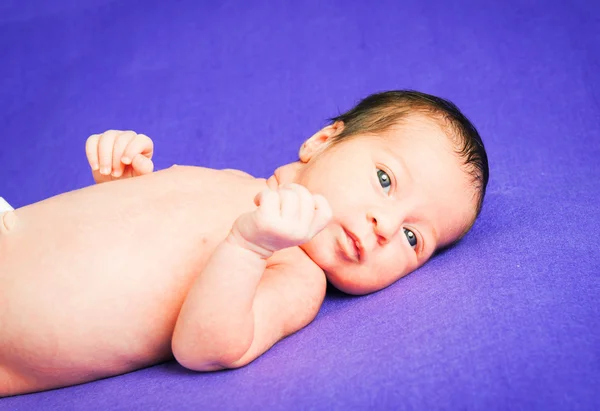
[(214, 267)]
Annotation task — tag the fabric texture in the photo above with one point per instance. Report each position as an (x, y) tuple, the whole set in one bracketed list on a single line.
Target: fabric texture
[(507, 319)]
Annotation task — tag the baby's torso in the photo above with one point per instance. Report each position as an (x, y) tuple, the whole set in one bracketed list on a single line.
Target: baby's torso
[(97, 276)]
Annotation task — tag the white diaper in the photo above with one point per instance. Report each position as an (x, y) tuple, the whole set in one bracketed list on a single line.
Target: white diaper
[(4, 206)]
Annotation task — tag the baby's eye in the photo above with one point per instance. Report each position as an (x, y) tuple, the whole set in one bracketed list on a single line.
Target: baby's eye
[(411, 237), (384, 180)]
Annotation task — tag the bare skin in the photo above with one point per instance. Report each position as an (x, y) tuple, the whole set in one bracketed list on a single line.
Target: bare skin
[(210, 267), (92, 299)]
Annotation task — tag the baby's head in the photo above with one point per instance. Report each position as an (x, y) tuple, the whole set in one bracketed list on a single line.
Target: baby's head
[(405, 174)]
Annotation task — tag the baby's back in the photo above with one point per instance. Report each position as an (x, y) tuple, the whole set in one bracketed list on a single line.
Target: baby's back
[(91, 281)]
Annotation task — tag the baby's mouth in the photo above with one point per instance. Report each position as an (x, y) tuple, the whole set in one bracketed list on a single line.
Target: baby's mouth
[(351, 246)]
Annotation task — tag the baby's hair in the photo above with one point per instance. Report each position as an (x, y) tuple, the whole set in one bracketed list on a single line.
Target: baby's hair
[(378, 112)]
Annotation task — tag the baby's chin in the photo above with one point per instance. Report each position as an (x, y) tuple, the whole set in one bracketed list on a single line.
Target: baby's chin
[(350, 284), (338, 274), (346, 276), (343, 284), (321, 250)]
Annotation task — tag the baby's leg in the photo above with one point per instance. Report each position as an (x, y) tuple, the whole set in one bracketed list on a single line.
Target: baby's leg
[(11, 382), (5, 210), (7, 216), (8, 220)]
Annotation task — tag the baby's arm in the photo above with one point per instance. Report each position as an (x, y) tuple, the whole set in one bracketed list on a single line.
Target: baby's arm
[(115, 154), (244, 300)]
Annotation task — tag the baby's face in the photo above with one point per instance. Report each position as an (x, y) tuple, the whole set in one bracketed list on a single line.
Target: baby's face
[(396, 198)]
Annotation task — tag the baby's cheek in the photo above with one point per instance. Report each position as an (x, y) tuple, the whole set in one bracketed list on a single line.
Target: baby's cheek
[(397, 262), (317, 250)]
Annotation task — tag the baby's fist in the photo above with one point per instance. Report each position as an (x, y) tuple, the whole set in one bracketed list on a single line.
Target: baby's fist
[(118, 154), (286, 217)]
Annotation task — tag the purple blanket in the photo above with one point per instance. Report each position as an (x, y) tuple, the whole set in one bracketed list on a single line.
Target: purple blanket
[(508, 319)]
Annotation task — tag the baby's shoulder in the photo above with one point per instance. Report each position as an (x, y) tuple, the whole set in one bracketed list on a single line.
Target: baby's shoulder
[(181, 174), (178, 168), (237, 172)]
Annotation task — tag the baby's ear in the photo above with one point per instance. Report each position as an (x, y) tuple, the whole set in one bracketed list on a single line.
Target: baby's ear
[(319, 141)]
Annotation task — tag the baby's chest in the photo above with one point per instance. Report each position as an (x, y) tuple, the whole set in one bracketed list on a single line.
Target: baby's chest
[(188, 211), (196, 200)]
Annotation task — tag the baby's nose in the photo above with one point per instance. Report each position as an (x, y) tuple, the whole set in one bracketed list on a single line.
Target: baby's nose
[(384, 226)]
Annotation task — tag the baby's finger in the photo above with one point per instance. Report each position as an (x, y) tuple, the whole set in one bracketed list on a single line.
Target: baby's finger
[(322, 216), (105, 151), (268, 202), (141, 165), (121, 142), (141, 144), (91, 151)]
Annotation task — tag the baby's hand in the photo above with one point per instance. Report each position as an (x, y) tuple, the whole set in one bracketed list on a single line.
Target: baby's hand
[(286, 217), (116, 154)]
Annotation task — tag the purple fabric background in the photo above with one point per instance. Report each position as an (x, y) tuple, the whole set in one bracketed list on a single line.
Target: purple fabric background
[(508, 319)]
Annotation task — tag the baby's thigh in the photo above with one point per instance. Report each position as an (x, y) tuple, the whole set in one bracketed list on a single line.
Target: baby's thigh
[(7, 223), (11, 383), (8, 220), (10, 378)]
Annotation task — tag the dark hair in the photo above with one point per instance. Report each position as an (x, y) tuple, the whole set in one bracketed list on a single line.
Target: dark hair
[(378, 112)]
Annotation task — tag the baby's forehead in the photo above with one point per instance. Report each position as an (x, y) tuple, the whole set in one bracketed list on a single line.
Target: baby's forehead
[(421, 133), (436, 172)]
